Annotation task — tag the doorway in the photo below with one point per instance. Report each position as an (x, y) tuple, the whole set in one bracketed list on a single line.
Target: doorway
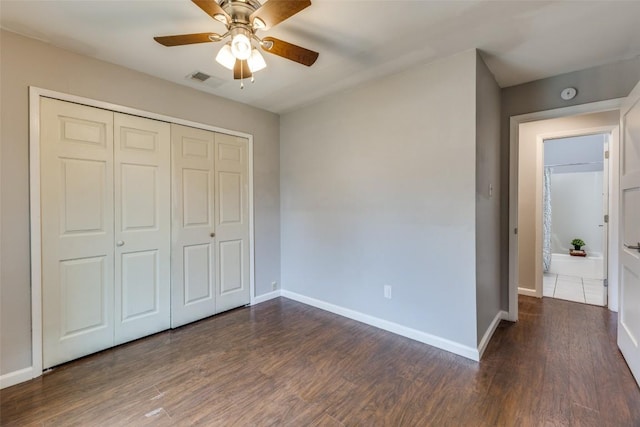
[(527, 135), (575, 218)]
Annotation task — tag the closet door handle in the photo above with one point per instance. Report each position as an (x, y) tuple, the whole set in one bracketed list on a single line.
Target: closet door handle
[(120, 243), (212, 234), (633, 247)]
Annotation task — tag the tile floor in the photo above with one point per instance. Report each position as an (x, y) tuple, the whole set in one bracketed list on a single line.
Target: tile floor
[(571, 288)]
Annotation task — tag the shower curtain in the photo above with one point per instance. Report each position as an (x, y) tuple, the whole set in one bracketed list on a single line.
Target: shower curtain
[(546, 220)]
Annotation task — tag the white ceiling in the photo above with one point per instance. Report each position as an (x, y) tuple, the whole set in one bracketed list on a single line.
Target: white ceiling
[(357, 39)]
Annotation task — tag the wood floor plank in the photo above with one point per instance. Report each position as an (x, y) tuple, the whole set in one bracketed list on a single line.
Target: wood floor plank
[(286, 364)]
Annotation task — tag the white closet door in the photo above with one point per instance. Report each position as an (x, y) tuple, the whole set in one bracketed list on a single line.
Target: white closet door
[(76, 146), (142, 177), (232, 222), (193, 233)]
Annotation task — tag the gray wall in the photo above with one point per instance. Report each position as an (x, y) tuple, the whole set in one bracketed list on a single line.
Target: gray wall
[(25, 62), (594, 84), (488, 287), (378, 187)]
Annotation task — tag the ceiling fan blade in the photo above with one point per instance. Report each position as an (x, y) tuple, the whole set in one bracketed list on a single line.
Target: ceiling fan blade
[(183, 39), (275, 11), (213, 9), (241, 70), (289, 51)]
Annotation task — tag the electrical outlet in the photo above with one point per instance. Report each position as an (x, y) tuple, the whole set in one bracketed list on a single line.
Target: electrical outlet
[(274, 286), (387, 291)]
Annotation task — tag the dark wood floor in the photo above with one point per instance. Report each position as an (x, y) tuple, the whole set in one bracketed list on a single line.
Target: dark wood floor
[(283, 363)]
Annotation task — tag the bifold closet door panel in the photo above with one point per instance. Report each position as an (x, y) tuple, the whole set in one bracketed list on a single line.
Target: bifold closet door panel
[(76, 185), (142, 177), (193, 231), (232, 222)]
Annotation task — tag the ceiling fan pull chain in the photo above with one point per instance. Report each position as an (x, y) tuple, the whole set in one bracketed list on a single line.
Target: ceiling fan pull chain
[(241, 75)]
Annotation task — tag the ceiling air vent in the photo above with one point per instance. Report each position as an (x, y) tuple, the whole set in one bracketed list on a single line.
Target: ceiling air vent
[(206, 79), (199, 76)]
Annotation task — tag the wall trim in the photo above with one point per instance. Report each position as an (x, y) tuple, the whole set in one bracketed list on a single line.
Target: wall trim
[(528, 292), (484, 342), (414, 334), (514, 124), (16, 377), (266, 297), (35, 93)]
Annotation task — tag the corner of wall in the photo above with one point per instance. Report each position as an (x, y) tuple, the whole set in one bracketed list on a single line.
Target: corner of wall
[(488, 198)]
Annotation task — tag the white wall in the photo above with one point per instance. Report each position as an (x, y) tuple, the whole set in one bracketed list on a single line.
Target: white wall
[(576, 211), (25, 62), (378, 187)]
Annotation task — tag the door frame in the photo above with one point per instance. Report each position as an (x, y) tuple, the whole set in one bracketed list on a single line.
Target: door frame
[(514, 126), (612, 185), (35, 93)]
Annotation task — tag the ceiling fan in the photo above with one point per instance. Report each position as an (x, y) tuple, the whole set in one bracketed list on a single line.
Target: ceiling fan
[(243, 18)]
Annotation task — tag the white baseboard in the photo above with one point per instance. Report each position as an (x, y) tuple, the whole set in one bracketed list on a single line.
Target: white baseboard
[(501, 315), (16, 377), (423, 337), (265, 297), (527, 292)]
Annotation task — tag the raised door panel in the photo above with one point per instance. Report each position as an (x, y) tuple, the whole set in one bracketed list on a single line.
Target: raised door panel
[(82, 198), (193, 231), (83, 296), (631, 147), (198, 286), (230, 206), (143, 229), (231, 266), (76, 171), (197, 197), (139, 197), (141, 285), (232, 222), (630, 276)]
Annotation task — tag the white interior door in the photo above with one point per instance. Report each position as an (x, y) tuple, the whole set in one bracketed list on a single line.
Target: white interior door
[(629, 310), (193, 230), (605, 220), (76, 146), (232, 222), (142, 177)]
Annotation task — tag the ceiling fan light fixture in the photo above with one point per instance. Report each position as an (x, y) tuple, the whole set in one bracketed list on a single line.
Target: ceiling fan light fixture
[(241, 46), (256, 61), (258, 24), (225, 57)]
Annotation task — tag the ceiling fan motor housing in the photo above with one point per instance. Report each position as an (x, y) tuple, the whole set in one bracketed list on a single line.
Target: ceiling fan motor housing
[(240, 10)]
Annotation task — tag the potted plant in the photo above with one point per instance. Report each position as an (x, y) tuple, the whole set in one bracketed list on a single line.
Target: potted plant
[(577, 244)]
